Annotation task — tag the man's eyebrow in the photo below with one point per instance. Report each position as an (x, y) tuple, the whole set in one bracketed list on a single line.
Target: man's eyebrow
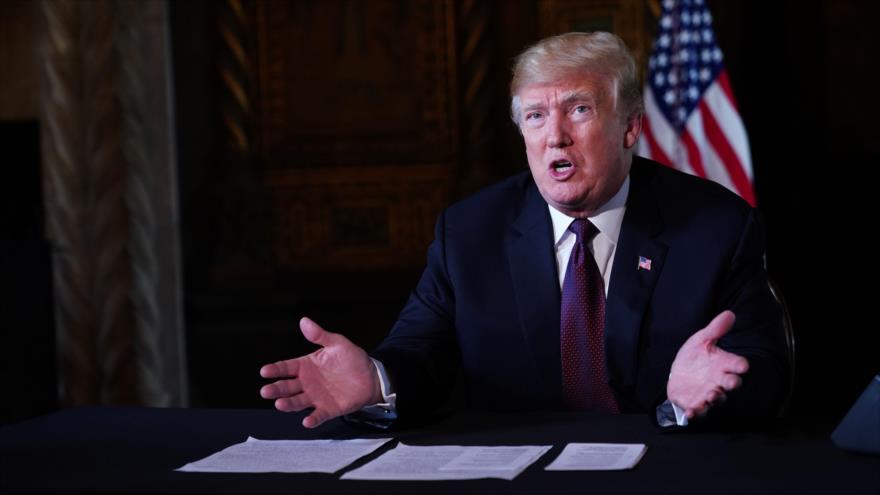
[(533, 106), (574, 96)]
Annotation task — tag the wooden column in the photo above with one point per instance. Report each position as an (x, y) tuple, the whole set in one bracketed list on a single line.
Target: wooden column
[(111, 206)]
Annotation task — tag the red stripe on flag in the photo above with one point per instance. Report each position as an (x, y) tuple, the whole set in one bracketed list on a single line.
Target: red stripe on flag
[(694, 158), (727, 154), (657, 153), (724, 82)]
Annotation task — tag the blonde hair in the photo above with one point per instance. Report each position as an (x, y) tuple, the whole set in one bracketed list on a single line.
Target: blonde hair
[(573, 54)]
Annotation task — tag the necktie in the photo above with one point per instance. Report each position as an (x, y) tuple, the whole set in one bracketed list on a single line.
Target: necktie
[(584, 377)]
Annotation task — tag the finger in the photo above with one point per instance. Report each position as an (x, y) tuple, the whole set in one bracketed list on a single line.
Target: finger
[(716, 396), (701, 411), (315, 334), (280, 369), (281, 388), (719, 326), (296, 403), (315, 419), (730, 382), (732, 363)]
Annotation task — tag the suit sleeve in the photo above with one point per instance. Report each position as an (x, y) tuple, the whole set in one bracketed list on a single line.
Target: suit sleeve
[(758, 334), (420, 353)]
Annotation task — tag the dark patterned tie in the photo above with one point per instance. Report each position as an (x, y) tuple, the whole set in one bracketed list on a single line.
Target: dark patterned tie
[(584, 377)]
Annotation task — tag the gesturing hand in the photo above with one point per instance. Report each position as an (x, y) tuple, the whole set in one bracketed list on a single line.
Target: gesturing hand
[(337, 379), (702, 373)]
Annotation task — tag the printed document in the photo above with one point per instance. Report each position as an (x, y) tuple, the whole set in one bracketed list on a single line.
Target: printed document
[(286, 456), (449, 462), (598, 457)]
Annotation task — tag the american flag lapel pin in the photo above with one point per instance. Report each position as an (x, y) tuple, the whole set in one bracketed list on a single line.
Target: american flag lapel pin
[(644, 263)]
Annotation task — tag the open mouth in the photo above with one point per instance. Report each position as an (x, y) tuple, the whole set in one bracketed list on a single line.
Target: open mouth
[(561, 165)]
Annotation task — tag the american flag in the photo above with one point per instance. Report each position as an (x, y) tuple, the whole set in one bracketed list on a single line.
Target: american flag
[(691, 119)]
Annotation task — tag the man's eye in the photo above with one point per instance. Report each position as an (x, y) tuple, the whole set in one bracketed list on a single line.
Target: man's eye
[(581, 109), (533, 115)]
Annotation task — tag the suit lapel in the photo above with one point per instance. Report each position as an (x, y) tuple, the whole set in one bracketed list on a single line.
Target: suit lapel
[(532, 261), (632, 282)]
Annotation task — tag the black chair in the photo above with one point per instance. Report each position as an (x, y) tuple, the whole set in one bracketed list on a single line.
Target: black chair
[(789, 344)]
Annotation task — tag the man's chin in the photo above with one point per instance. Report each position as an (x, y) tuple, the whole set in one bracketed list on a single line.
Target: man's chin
[(570, 208)]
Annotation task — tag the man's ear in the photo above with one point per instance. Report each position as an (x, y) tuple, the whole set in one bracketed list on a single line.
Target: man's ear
[(633, 130)]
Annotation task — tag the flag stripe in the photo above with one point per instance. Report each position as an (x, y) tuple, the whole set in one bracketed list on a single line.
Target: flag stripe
[(653, 151), (712, 163), (724, 82), (693, 153), (724, 110), (728, 157)]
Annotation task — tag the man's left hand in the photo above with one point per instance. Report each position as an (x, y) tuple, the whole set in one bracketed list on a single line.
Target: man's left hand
[(702, 372)]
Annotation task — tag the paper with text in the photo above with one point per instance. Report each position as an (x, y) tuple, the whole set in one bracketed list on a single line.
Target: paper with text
[(598, 457), (449, 462), (286, 456)]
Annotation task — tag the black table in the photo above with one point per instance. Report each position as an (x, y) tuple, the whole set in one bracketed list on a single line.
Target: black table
[(106, 449)]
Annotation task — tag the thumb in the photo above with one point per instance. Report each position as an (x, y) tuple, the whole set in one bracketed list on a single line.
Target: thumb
[(718, 327), (315, 419), (314, 333)]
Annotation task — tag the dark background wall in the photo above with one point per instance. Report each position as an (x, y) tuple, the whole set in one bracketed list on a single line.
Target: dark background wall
[(802, 73)]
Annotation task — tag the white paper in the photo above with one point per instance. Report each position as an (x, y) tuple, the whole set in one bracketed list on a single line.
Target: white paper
[(449, 462), (286, 456), (598, 457)]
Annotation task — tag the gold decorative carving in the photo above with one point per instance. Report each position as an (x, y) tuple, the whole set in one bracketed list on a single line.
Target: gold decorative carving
[(237, 74)]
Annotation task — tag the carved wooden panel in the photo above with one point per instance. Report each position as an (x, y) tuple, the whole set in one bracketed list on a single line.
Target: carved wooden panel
[(356, 82), (356, 219), (358, 129), (625, 18)]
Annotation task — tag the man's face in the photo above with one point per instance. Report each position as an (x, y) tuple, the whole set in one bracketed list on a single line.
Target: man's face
[(577, 144)]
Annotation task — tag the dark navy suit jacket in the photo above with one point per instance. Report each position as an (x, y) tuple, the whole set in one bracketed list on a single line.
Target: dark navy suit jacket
[(487, 307)]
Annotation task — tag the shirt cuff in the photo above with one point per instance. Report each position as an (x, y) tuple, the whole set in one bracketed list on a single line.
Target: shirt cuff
[(383, 414), (668, 414), (680, 418), (389, 397)]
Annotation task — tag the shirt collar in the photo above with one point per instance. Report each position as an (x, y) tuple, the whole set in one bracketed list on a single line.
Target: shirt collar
[(608, 218)]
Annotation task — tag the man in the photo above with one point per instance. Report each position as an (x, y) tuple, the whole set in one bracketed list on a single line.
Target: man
[(599, 281)]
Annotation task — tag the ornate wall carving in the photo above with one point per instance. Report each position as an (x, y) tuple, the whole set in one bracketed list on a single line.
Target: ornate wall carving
[(109, 192), (66, 185), (358, 132)]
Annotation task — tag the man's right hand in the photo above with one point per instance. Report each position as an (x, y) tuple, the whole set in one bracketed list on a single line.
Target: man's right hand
[(335, 380)]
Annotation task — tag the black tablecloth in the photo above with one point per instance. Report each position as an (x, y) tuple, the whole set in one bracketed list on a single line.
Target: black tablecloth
[(107, 449)]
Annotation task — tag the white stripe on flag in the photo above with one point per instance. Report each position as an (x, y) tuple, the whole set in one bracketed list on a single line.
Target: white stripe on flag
[(731, 125), (712, 163)]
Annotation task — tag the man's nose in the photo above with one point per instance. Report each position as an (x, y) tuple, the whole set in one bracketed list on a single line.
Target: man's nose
[(558, 135)]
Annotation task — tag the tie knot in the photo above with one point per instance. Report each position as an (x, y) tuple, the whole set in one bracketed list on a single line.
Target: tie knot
[(583, 229)]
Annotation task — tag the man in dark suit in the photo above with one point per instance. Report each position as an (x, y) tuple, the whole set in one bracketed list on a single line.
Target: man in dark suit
[(598, 281)]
